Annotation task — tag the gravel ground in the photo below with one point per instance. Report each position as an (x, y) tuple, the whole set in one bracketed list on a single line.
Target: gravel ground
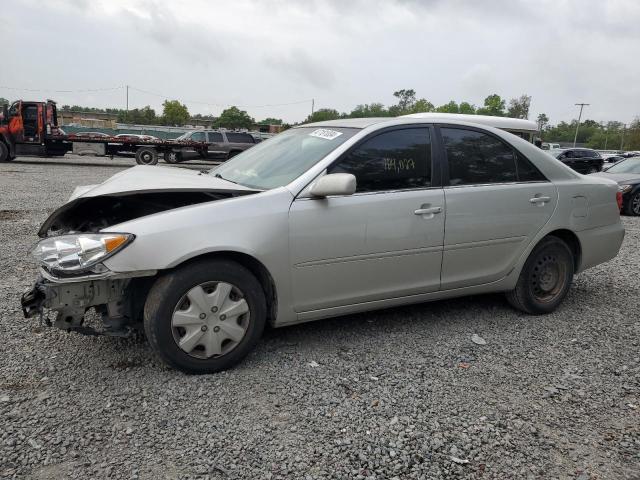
[(401, 393)]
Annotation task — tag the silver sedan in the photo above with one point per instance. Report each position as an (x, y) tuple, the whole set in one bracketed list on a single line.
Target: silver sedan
[(319, 221)]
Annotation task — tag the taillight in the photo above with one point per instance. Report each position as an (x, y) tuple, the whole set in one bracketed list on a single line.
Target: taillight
[(619, 199)]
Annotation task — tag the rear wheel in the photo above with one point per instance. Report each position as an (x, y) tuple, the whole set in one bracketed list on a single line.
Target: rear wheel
[(172, 157), (4, 153), (545, 278), (146, 156), (205, 317), (633, 205)]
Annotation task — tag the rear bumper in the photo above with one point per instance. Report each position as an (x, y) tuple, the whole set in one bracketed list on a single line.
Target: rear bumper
[(600, 244)]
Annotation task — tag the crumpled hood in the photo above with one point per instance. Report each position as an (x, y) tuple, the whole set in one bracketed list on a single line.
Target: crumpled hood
[(147, 178), (619, 177), (137, 192)]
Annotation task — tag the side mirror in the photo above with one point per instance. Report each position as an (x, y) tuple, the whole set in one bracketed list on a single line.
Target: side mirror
[(334, 184)]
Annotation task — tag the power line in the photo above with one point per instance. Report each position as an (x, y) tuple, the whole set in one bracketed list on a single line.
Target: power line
[(215, 104), (62, 91), (156, 94)]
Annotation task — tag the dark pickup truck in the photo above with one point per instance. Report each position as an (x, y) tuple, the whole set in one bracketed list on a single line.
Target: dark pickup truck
[(582, 160), (220, 145)]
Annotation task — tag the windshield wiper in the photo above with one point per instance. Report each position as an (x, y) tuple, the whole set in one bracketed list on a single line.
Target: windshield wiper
[(217, 175)]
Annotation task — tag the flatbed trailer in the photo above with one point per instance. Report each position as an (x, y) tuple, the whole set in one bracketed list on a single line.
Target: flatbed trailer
[(31, 128)]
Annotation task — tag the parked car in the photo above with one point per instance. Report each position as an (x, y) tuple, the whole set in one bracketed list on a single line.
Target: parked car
[(583, 160), (611, 157), (220, 145), (627, 174), (322, 220), (550, 146)]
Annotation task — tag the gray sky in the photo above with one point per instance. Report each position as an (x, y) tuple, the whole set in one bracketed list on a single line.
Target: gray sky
[(342, 53)]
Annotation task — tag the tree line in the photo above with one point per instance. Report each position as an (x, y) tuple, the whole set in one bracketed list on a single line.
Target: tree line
[(611, 135)]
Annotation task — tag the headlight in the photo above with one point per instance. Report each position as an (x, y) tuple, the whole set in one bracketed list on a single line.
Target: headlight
[(626, 188), (78, 252)]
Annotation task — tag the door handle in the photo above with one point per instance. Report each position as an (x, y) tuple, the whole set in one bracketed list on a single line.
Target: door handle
[(539, 200), (428, 211)]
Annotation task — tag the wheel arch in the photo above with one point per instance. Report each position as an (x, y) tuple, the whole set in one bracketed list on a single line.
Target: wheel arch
[(255, 266), (572, 241)]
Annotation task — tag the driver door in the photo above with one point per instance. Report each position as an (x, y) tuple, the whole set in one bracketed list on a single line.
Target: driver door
[(384, 241)]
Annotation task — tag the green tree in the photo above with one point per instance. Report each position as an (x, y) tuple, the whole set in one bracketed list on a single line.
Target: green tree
[(451, 107), (270, 121), (406, 101), (369, 110), (322, 115), (519, 107), (543, 120), (493, 105), (175, 113), (467, 108), (422, 105), (233, 118), (4, 101)]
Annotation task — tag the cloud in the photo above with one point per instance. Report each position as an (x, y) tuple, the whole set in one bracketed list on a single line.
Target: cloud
[(303, 66), (342, 53)]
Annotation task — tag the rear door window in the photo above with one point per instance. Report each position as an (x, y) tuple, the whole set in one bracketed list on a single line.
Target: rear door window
[(215, 137), (477, 158)]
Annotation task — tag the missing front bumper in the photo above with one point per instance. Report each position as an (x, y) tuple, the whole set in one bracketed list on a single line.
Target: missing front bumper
[(112, 300)]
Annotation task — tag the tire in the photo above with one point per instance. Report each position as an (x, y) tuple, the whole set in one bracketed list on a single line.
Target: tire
[(146, 156), (176, 327), (172, 157), (4, 153), (545, 278), (633, 205)]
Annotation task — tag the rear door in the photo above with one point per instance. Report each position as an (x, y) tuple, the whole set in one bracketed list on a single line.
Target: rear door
[(496, 202), (216, 145)]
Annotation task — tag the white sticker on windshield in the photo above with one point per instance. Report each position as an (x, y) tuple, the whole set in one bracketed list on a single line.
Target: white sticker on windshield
[(324, 133)]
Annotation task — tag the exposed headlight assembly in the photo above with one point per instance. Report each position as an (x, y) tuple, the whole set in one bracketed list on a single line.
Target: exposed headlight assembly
[(625, 188), (76, 253)]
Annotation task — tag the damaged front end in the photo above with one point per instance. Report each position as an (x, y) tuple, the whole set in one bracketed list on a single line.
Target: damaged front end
[(117, 303), (76, 239)]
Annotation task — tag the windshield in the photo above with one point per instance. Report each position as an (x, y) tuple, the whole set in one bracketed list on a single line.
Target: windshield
[(630, 165), (283, 158)]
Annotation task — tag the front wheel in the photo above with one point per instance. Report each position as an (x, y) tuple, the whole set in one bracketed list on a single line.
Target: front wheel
[(205, 317), (545, 278), (633, 205), (146, 156)]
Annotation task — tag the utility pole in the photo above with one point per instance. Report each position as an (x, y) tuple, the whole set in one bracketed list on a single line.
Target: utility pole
[(313, 102), (582, 105)]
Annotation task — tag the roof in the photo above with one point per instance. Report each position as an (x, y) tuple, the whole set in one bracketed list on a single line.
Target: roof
[(504, 123), (350, 122)]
